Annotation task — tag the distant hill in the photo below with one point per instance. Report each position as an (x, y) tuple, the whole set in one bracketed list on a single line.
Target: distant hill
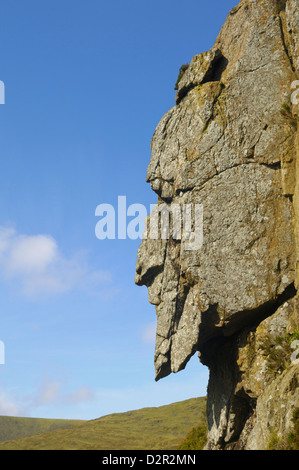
[(161, 428), (14, 428)]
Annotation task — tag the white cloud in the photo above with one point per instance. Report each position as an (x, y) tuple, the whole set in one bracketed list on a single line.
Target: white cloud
[(31, 254), (36, 266)]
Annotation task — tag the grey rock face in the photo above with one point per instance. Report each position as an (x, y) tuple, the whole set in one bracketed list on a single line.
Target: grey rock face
[(226, 146)]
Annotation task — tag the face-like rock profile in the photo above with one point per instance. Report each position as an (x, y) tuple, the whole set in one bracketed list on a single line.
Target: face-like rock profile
[(225, 147)]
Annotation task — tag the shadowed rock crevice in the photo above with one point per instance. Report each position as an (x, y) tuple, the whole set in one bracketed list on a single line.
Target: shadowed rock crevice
[(216, 69), (285, 39), (213, 68), (229, 407), (232, 400), (254, 317), (208, 347)]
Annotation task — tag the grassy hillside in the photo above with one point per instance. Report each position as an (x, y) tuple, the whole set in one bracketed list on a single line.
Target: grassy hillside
[(14, 428), (162, 428)]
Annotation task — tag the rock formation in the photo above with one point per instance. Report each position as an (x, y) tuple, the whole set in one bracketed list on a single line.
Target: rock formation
[(230, 144)]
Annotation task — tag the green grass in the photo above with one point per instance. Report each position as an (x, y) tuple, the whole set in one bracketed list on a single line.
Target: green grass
[(14, 428), (286, 112), (162, 428), (278, 351), (291, 442), (195, 439)]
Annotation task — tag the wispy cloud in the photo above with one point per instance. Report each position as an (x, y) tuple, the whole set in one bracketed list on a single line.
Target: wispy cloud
[(35, 265), (81, 395), (48, 393), (53, 396), (51, 393), (8, 406)]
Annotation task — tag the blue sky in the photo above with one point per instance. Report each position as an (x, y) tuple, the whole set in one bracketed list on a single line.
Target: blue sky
[(86, 83)]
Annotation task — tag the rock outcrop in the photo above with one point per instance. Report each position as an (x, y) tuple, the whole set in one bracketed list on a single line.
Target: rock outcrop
[(231, 146)]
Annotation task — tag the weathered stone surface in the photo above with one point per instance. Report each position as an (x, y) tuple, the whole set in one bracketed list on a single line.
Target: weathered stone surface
[(228, 146), (274, 410), (253, 389)]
